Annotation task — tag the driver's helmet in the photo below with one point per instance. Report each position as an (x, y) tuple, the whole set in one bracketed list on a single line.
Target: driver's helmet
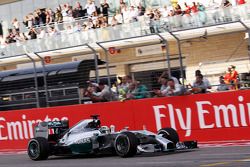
[(95, 124), (105, 129)]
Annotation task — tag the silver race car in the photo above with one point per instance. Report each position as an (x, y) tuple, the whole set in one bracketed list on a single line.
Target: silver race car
[(89, 137)]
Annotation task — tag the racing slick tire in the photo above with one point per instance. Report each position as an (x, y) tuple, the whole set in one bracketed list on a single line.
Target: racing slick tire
[(126, 144), (38, 149), (170, 134)]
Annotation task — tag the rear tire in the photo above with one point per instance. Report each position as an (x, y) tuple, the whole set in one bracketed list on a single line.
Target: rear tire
[(38, 149), (126, 144), (170, 134)]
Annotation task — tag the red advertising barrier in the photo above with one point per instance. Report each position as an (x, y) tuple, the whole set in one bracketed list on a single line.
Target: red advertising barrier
[(205, 117)]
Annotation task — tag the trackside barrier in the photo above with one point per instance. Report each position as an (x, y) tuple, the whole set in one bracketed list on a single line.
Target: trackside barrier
[(203, 117)]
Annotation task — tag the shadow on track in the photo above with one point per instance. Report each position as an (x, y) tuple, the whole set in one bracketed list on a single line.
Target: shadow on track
[(92, 156)]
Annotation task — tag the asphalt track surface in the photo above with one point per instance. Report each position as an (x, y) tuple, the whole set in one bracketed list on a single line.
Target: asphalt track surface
[(233, 156)]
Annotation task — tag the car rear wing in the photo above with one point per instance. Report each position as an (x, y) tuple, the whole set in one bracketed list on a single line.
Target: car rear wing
[(43, 129)]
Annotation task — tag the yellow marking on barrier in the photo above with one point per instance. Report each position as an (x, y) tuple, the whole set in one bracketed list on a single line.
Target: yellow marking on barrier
[(215, 164)]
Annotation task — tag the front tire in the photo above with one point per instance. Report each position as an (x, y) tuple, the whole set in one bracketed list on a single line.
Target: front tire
[(38, 149), (170, 134), (126, 144)]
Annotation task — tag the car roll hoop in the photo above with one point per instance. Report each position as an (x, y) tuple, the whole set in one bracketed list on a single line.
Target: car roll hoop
[(95, 117)]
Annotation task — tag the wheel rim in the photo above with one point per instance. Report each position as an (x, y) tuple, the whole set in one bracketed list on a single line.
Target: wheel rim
[(122, 145), (33, 149)]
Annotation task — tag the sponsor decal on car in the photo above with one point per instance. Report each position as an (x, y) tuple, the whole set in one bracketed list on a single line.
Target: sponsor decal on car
[(83, 141)]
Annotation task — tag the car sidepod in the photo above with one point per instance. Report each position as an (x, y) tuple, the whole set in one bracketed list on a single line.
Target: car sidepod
[(82, 146)]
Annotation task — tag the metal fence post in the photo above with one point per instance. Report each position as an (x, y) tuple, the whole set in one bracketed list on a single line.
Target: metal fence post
[(180, 55), (248, 32), (167, 54), (36, 83), (96, 62), (107, 62), (44, 79)]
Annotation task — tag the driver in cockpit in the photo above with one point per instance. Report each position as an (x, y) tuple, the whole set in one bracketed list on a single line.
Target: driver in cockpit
[(95, 124)]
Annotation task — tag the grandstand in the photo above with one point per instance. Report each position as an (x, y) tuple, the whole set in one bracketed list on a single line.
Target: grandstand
[(209, 40)]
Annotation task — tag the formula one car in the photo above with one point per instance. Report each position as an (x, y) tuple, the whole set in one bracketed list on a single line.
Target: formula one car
[(89, 137)]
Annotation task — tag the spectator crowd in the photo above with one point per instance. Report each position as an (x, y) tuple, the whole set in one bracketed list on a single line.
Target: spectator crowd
[(128, 88), (44, 22)]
